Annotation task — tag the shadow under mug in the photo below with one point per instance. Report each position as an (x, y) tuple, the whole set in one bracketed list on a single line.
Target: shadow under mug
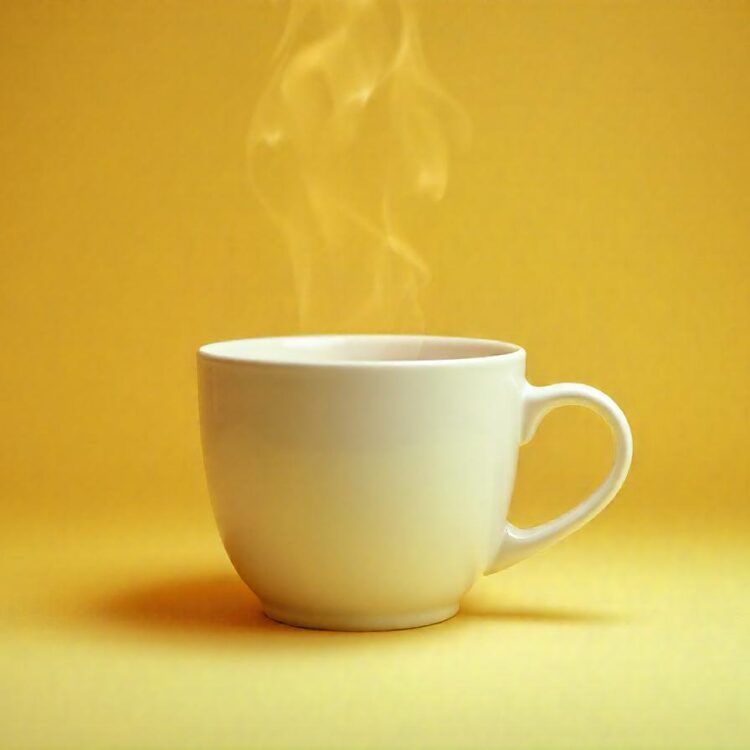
[(362, 482)]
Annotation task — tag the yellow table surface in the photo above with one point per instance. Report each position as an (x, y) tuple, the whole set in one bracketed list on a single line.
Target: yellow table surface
[(145, 638)]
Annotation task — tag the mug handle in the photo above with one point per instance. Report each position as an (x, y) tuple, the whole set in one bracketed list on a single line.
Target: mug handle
[(518, 544)]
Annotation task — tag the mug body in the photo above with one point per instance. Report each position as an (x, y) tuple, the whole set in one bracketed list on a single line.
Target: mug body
[(360, 482)]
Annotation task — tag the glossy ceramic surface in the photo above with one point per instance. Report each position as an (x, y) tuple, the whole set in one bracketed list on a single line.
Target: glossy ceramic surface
[(363, 482)]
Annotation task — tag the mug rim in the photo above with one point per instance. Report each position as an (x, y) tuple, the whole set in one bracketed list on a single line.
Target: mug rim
[(496, 350)]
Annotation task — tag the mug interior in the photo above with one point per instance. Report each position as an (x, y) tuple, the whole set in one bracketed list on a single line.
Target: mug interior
[(345, 349)]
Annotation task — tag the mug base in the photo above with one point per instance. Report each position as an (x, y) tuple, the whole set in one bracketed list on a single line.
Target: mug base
[(359, 622)]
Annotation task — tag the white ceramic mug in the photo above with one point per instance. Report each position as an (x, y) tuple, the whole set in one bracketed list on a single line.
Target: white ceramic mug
[(363, 482)]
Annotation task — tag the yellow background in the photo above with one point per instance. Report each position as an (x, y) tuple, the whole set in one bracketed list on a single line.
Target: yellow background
[(601, 219)]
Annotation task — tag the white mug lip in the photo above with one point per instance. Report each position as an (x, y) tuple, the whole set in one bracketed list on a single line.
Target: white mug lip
[(504, 351)]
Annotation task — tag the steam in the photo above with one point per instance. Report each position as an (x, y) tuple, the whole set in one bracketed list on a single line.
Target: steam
[(352, 132)]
